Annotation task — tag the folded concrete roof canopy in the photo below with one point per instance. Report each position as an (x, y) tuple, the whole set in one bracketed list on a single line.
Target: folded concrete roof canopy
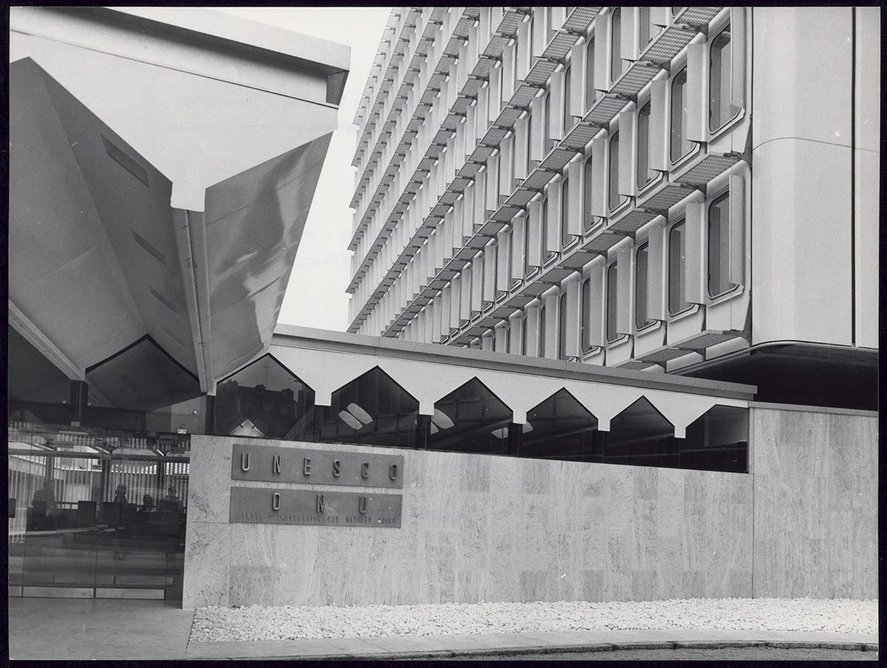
[(162, 165)]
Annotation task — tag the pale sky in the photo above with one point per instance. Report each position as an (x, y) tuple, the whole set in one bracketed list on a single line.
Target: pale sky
[(316, 294)]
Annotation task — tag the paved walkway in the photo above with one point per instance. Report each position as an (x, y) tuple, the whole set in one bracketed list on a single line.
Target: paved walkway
[(106, 629)]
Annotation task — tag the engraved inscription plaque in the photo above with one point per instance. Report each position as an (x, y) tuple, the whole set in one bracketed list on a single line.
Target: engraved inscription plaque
[(263, 463), (299, 506)]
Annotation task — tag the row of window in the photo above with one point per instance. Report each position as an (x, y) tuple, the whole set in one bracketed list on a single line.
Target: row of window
[(675, 263), (374, 409), (608, 149)]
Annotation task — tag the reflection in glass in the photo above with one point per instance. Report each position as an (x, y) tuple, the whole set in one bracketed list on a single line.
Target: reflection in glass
[(264, 400), (584, 312), (588, 191), (540, 347), (640, 435), (470, 419), (613, 177), (560, 428), (90, 513), (616, 64), (562, 326), (568, 117), (371, 409), (719, 80), (719, 246), (717, 441), (566, 237), (644, 173), (677, 301), (612, 297), (640, 286), (680, 145), (589, 74)]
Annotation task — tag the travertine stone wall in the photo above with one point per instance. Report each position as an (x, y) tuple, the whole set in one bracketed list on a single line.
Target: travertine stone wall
[(480, 528), (816, 503)]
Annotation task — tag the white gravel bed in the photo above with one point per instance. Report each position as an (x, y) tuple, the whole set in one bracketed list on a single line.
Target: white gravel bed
[(373, 621)]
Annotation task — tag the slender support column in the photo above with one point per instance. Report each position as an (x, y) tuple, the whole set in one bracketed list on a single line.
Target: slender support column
[(79, 395)]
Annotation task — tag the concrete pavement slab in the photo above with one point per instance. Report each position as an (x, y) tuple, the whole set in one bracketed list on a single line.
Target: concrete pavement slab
[(119, 629)]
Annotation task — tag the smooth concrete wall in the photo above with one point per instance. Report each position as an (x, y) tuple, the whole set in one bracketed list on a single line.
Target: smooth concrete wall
[(867, 161), (480, 528), (802, 197), (815, 503)]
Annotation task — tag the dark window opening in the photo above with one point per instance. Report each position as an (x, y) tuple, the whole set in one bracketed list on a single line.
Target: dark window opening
[(644, 173), (719, 80), (566, 237), (640, 286), (677, 300), (616, 64), (584, 312), (470, 419), (588, 192), (562, 326), (612, 303), (719, 246), (560, 428), (373, 410), (680, 145), (613, 178)]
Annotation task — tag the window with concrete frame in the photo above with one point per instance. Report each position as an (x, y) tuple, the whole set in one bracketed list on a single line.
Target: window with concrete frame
[(718, 254), (676, 279), (719, 80), (612, 303), (679, 145)]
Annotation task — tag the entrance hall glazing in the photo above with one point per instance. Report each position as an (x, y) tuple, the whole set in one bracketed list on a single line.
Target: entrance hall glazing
[(95, 514)]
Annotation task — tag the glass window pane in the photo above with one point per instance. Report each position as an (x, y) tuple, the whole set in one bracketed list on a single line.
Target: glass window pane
[(562, 326), (616, 44), (565, 212), (266, 400), (526, 256), (719, 80), (589, 74), (644, 173), (719, 246), (470, 419), (588, 188), (371, 409), (584, 313), (560, 428), (613, 177), (640, 287), (549, 120), (643, 27), (523, 335), (544, 226), (676, 249), (612, 331), (540, 348), (568, 118), (680, 145)]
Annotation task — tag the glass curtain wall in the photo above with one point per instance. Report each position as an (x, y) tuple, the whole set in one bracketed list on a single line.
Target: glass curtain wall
[(95, 514)]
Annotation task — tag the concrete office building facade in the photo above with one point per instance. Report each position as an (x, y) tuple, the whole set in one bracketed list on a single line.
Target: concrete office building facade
[(691, 190)]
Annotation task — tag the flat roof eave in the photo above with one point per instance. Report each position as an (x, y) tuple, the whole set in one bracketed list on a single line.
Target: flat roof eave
[(321, 339), (330, 56)]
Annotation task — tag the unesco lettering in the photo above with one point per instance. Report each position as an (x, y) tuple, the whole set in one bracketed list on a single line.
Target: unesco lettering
[(262, 463), (335, 467)]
